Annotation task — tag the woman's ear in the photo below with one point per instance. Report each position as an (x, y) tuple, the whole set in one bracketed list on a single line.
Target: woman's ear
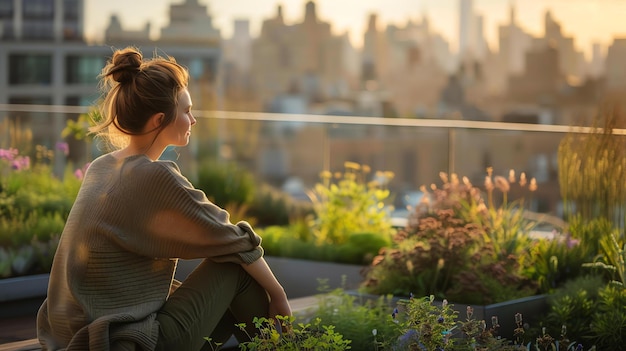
[(157, 120)]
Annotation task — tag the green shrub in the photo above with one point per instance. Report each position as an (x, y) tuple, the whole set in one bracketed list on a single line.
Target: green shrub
[(225, 183), (365, 321), (297, 241), (273, 207), (455, 247), (573, 305), (591, 167), (313, 336), (349, 204), (34, 205)]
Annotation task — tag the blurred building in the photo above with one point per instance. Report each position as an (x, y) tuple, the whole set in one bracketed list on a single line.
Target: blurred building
[(472, 43), (615, 67), (45, 60), (304, 57)]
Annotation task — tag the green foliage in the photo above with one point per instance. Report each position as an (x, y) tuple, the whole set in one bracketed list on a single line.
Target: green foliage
[(34, 205), (225, 183), (593, 311), (426, 326), (349, 204), (573, 305), (297, 241), (366, 320), (592, 168), (273, 207), (613, 258), (455, 247), (312, 336), (609, 319)]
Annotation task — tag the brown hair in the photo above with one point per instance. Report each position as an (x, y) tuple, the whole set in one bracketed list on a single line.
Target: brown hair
[(135, 89)]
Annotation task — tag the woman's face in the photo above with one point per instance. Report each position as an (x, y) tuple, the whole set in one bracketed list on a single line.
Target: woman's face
[(177, 133)]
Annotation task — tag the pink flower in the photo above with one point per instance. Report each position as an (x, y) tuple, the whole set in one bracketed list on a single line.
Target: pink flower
[(80, 172), (20, 163), (8, 154)]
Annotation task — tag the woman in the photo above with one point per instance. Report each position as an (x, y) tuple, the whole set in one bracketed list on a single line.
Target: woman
[(111, 284)]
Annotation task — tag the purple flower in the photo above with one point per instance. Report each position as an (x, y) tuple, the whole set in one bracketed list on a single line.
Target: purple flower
[(63, 147)]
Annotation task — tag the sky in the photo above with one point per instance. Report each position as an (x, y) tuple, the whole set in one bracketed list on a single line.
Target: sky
[(587, 21)]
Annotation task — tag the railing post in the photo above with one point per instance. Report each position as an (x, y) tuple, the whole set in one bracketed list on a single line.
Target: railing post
[(451, 149)]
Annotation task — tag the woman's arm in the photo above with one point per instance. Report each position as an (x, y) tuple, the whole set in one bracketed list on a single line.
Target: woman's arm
[(261, 272)]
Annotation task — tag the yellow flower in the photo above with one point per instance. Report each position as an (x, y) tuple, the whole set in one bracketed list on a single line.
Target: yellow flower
[(352, 165), (326, 175)]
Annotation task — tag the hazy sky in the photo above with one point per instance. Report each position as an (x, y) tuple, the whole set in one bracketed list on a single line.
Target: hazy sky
[(586, 20)]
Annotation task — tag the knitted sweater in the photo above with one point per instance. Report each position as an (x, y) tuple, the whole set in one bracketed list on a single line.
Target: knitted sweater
[(133, 218)]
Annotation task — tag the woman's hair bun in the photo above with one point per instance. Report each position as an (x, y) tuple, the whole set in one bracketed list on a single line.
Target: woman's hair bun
[(125, 65)]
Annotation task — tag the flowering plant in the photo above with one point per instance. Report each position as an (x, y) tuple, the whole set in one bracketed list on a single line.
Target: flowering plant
[(34, 204), (458, 246)]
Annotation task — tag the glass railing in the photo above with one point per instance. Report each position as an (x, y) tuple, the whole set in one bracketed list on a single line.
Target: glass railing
[(289, 151)]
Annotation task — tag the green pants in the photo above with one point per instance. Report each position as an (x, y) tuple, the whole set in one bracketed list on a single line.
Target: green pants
[(213, 298)]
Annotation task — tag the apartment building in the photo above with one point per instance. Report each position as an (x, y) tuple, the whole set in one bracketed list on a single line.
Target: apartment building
[(45, 59)]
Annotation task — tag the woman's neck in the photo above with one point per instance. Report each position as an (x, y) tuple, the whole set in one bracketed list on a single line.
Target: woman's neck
[(152, 151)]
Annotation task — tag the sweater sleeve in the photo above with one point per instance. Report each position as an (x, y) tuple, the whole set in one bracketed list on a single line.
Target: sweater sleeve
[(168, 218)]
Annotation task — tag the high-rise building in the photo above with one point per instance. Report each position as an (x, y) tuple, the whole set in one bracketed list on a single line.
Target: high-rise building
[(514, 42), (467, 27), (615, 70)]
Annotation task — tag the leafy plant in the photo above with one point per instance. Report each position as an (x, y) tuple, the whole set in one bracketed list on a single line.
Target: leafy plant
[(347, 203), (297, 241), (590, 167), (312, 336), (455, 247), (34, 205), (366, 320), (573, 305), (612, 259), (273, 207), (609, 319), (225, 183)]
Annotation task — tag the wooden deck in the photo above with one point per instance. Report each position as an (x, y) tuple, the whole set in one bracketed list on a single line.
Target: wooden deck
[(20, 333)]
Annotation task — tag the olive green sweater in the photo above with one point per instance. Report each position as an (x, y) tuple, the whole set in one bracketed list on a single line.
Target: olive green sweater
[(113, 269)]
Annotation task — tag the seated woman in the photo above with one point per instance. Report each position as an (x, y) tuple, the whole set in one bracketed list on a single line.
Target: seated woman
[(112, 282)]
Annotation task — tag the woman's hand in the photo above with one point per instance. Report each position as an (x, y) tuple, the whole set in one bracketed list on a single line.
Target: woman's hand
[(261, 272), (279, 306)]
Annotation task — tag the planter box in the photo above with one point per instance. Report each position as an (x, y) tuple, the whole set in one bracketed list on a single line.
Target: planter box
[(300, 278), (21, 296), (531, 308)]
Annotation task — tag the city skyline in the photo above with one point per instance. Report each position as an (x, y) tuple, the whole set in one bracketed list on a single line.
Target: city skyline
[(585, 20)]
